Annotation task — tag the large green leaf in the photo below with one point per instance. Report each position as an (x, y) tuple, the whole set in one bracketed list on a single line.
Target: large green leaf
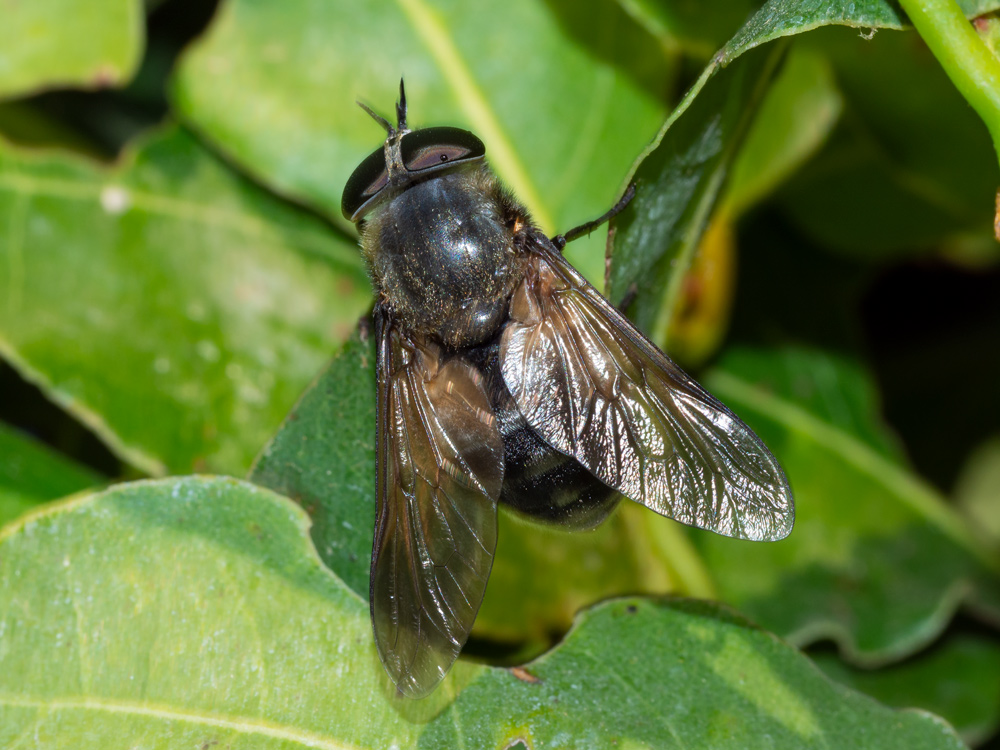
[(48, 43), (958, 679), (795, 118), (194, 612), (174, 307), (31, 473), (686, 24), (273, 86), (877, 561)]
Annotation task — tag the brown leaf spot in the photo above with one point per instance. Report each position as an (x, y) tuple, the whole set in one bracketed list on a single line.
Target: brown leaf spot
[(104, 77), (524, 675)]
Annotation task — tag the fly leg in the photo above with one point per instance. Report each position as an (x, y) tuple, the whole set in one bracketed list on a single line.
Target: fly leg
[(560, 240)]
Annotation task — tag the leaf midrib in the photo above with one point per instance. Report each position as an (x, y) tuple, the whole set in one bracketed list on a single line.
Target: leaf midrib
[(246, 224), (470, 97), (241, 724)]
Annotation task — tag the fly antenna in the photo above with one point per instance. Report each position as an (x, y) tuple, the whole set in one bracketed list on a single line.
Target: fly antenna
[(401, 107), (378, 118)]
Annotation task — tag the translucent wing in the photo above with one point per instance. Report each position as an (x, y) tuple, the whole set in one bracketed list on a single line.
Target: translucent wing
[(440, 469), (595, 388)]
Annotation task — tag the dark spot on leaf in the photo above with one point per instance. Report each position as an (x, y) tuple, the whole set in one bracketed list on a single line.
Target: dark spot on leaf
[(524, 675), (631, 609)]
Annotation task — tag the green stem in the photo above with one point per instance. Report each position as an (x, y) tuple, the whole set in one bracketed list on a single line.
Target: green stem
[(965, 58)]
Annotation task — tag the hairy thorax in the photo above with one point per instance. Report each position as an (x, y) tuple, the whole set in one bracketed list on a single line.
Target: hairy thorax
[(443, 259)]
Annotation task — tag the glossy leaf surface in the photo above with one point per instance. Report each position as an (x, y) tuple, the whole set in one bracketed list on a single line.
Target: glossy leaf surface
[(32, 473), (172, 306), (958, 679), (215, 623), (878, 562), (48, 43)]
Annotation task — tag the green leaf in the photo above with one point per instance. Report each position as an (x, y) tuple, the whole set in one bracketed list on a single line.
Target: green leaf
[(543, 576), (274, 88), (32, 473), (49, 43), (877, 561), (323, 457), (779, 18), (676, 674), (977, 490), (173, 307), (794, 119), (836, 389), (215, 623), (685, 25), (958, 679), (678, 180)]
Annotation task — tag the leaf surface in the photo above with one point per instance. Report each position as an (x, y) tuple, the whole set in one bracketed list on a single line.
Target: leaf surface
[(48, 43), (32, 473), (877, 561), (958, 679), (274, 88), (193, 611), (173, 307)]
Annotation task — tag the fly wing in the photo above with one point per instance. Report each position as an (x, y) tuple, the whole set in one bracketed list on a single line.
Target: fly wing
[(596, 389), (440, 470)]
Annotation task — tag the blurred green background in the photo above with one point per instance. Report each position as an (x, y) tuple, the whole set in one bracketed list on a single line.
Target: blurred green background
[(813, 237)]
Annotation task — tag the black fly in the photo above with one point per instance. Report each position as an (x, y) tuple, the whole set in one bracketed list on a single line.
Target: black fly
[(504, 377)]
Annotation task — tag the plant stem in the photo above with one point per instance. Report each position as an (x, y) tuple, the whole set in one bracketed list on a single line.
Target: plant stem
[(965, 58)]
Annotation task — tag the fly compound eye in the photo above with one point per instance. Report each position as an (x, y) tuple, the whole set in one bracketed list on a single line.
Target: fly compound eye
[(438, 148), (364, 185), (435, 156)]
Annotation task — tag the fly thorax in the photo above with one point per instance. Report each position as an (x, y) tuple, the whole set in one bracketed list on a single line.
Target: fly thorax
[(443, 260)]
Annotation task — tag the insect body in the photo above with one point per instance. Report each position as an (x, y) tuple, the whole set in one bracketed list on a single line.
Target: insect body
[(504, 377)]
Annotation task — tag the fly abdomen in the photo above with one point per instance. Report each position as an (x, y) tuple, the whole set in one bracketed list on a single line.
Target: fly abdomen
[(538, 480)]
